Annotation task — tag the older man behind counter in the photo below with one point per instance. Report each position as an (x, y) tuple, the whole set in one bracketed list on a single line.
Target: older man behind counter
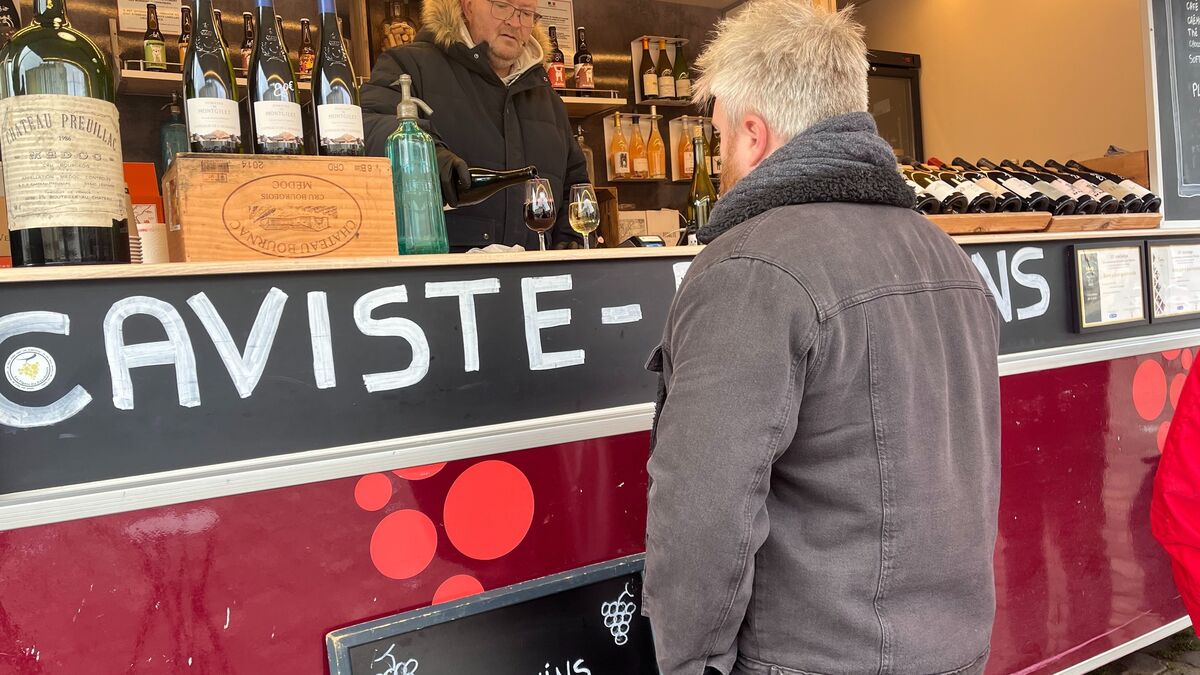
[(478, 64)]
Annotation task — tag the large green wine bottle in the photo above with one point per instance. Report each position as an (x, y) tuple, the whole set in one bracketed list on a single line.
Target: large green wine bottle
[(63, 176), (209, 88)]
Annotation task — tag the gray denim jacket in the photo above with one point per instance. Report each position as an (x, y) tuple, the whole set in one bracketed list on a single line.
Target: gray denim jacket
[(826, 470)]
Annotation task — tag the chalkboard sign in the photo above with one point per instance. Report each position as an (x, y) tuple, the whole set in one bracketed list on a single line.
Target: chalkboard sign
[(1175, 36), (583, 622)]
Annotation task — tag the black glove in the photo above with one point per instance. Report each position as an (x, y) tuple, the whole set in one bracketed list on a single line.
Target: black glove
[(454, 174)]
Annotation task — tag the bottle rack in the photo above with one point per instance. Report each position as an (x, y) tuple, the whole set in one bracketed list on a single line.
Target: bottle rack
[(635, 50), (583, 103), (645, 122), (678, 135)]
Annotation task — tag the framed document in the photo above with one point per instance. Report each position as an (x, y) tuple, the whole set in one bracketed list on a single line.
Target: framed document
[(1110, 289), (1174, 279)]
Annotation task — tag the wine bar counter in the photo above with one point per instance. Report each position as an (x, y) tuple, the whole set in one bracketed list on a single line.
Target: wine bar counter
[(219, 464)]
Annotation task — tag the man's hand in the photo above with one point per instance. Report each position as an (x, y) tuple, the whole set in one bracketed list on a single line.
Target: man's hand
[(454, 175)]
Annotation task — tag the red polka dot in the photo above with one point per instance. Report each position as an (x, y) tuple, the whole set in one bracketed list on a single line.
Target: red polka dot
[(403, 544), (457, 587), (373, 491), (1149, 389), (1177, 389), (420, 472), (1186, 359), (1162, 435), (489, 510), (1171, 354)]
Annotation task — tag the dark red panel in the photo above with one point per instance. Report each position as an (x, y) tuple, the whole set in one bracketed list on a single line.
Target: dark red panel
[(251, 583), (1078, 571)]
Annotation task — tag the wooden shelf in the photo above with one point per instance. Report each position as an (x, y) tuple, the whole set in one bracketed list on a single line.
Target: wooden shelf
[(579, 107), (990, 223), (666, 102), (638, 180), (1119, 221)]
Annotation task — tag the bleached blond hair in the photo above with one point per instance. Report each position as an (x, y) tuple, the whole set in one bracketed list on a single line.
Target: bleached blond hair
[(788, 61)]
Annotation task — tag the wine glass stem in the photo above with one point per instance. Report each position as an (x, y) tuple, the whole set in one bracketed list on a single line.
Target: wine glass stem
[(542, 240), (586, 243)]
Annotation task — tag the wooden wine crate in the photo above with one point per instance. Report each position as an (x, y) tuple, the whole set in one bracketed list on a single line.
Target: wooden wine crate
[(989, 223), (1117, 221), (1132, 165), (255, 207)]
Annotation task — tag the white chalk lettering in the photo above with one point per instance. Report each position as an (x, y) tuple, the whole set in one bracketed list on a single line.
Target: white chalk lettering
[(1002, 294), (537, 320), (617, 315), (1034, 281), (465, 291), (176, 350), (245, 368), (392, 327), (29, 417), (322, 340)]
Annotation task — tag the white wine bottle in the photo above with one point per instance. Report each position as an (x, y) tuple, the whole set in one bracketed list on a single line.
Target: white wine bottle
[(702, 195), (666, 72), (649, 72), (209, 88)]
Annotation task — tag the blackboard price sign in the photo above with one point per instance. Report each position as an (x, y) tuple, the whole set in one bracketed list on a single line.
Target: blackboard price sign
[(583, 622)]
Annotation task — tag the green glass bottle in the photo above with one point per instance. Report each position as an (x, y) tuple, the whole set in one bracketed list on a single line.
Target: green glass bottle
[(58, 126), (420, 222)]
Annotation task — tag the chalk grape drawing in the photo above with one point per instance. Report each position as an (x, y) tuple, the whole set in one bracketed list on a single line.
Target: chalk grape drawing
[(617, 616)]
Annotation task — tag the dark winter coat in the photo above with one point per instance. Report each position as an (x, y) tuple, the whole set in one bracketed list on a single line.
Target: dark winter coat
[(483, 121)]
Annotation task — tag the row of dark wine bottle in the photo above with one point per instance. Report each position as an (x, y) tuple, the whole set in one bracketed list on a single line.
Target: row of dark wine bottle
[(1054, 187), (276, 120)]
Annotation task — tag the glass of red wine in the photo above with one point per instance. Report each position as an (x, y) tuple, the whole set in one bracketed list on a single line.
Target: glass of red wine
[(540, 213)]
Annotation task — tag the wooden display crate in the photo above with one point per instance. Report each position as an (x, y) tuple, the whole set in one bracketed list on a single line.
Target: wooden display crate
[(255, 207), (1119, 221), (991, 223), (1132, 165)]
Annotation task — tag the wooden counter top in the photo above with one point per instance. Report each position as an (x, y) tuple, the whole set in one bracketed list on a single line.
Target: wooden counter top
[(86, 272)]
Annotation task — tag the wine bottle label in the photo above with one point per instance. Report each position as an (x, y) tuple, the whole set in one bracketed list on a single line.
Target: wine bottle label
[(649, 85), (62, 161), (621, 163), (939, 190), (277, 122), (155, 52), (689, 164), (1091, 190), (1068, 189), (340, 124), (558, 75), (1115, 190), (915, 188), (1049, 190), (641, 165), (1019, 186), (971, 191), (306, 63), (990, 185), (213, 119), (716, 165), (583, 76), (666, 86), (1134, 188), (183, 47), (683, 87), (246, 54)]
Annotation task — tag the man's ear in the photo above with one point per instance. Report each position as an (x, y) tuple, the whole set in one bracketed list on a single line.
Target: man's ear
[(758, 139)]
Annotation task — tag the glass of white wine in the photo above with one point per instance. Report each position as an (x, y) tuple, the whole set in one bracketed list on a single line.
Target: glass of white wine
[(584, 211)]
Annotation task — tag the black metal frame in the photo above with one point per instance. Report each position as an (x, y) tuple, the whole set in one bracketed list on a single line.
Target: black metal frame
[(1077, 290), (900, 64)]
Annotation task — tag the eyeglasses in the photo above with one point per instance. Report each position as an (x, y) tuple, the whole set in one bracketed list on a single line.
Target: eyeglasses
[(504, 11)]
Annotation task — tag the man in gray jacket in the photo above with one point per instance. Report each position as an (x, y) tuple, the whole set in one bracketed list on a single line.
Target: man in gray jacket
[(825, 475)]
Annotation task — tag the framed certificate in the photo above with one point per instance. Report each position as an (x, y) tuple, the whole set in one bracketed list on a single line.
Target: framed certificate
[(1110, 288), (1174, 279)]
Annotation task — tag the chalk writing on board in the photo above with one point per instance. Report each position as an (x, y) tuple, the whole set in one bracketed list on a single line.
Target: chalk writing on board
[(408, 667), (617, 616), (1002, 291)]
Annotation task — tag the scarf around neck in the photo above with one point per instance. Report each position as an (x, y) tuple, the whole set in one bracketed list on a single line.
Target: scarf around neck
[(842, 159)]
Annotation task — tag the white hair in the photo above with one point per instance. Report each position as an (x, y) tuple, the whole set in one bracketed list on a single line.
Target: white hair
[(788, 61)]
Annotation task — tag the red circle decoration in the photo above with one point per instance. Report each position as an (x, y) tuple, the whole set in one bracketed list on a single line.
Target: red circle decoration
[(456, 587), (1161, 438), (420, 472), (1176, 389), (1149, 390), (403, 544), (1171, 354), (373, 491), (489, 509), (1186, 359)]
